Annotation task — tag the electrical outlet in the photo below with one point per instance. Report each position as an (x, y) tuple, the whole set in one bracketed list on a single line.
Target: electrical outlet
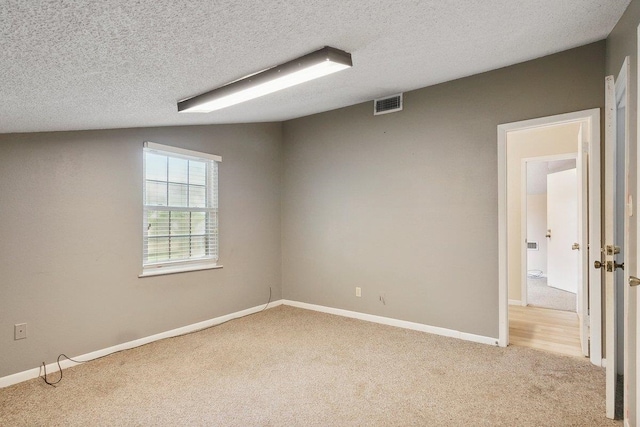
[(20, 331), (358, 291)]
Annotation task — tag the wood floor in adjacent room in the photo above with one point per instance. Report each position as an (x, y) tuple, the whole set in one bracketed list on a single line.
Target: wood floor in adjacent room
[(545, 329)]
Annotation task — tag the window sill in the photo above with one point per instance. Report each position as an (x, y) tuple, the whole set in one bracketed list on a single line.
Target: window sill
[(160, 271)]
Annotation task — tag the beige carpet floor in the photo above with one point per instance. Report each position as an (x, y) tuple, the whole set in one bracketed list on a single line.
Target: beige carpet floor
[(540, 294), (293, 367)]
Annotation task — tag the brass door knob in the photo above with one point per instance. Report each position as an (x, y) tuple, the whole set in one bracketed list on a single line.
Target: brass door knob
[(598, 264), (617, 266), (634, 281)]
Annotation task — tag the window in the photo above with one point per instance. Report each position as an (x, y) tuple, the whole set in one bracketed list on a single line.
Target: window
[(180, 219)]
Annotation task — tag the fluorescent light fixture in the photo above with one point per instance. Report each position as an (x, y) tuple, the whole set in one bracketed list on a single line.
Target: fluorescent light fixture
[(320, 63)]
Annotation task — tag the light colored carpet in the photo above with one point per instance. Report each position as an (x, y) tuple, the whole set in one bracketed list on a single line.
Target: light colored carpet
[(293, 367), (539, 294)]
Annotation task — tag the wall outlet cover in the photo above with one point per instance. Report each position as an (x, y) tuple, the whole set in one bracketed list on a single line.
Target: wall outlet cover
[(20, 331)]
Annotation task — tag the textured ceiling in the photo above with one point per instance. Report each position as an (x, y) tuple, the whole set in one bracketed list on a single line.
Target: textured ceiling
[(67, 65)]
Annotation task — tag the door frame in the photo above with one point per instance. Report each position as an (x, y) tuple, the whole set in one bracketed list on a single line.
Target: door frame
[(523, 212), (591, 146)]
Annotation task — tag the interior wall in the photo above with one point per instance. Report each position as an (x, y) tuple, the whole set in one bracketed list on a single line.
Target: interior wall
[(405, 205), (551, 140), (536, 231), (71, 232)]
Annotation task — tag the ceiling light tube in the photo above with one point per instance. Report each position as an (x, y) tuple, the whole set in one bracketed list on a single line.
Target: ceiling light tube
[(320, 63)]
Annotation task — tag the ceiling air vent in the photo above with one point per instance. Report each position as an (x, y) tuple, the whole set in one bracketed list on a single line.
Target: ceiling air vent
[(389, 104)]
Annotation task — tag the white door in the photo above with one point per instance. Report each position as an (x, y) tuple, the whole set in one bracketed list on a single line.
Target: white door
[(562, 230), (632, 394), (622, 225), (609, 236), (616, 237), (582, 297), (627, 298)]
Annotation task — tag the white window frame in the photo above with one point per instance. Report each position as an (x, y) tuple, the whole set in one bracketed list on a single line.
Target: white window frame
[(170, 267)]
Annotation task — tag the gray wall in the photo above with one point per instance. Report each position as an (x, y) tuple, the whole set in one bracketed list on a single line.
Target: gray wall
[(403, 205), (71, 230), (406, 204)]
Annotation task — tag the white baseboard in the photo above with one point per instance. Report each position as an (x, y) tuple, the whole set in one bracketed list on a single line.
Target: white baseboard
[(395, 322), (515, 302), (36, 372)]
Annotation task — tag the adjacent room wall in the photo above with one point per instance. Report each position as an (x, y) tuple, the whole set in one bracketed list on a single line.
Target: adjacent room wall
[(405, 205), (536, 231), (561, 139), (71, 232)]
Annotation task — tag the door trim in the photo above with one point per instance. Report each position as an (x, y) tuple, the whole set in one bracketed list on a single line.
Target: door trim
[(592, 135)]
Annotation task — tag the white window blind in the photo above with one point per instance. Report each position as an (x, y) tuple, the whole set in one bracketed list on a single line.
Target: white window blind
[(180, 220)]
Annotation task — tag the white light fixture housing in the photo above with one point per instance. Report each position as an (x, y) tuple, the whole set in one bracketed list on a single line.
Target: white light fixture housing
[(325, 61)]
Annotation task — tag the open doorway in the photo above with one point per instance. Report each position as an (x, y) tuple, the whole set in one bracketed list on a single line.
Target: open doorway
[(536, 139), (550, 258), (543, 327)]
